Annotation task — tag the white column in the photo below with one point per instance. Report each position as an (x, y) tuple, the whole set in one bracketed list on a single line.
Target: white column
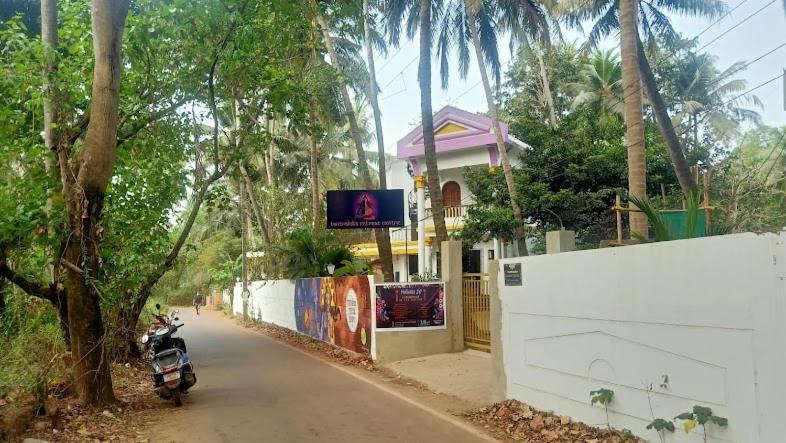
[(428, 258), (420, 185)]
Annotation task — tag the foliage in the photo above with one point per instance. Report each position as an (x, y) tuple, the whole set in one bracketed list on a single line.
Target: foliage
[(425, 277), (603, 396), (572, 176), (306, 253), (353, 267), (661, 425), (703, 416), (31, 340)]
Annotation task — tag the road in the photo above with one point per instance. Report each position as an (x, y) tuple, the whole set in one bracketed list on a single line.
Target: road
[(252, 388)]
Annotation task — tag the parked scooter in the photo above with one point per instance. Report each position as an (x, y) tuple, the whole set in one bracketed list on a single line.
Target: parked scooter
[(172, 371)]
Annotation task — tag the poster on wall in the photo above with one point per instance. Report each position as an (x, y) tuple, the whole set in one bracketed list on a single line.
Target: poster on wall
[(336, 311), (365, 209), (414, 306)]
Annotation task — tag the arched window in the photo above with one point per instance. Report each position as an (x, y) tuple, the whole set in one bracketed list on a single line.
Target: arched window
[(451, 194)]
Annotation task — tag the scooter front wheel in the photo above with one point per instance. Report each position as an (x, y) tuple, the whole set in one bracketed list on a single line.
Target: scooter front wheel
[(176, 397)]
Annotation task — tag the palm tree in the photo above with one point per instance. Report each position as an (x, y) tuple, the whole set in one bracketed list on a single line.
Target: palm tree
[(705, 94), (601, 84), (419, 16), (476, 21), (382, 237), (609, 16)]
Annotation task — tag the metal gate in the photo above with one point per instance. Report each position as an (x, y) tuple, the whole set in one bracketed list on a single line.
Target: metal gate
[(477, 332)]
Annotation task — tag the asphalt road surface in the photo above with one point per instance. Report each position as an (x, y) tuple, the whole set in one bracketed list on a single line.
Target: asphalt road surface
[(252, 388)]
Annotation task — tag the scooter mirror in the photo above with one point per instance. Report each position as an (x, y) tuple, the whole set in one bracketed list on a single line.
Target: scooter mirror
[(158, 306), (177, 319)]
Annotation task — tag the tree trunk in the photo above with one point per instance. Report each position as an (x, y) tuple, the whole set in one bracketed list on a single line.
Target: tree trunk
[(544, 78), (255, 204), (634, 121), (503, 152), (84, 205), (243, 249), (386, 256), (681, 168), (52, 116), (427, 124), (314, 170), (381, 236)]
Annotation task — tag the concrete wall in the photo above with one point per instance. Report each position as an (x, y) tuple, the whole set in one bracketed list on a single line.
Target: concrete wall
[(400, 345), (708, 313)]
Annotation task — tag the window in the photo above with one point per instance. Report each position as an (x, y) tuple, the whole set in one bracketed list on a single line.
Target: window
[(451, 194)]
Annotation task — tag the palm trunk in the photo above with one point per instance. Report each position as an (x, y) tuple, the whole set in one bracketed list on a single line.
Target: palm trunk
[(427, 124), (503, 152), (544, 78), (386, 256), (634, 121), (381, 236), (681, 168), (314, 169)]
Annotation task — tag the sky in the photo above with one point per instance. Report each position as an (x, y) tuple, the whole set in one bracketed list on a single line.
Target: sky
[(749, 39)]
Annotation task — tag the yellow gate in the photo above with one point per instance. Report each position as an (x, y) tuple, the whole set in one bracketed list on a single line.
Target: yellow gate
[(477, 333)]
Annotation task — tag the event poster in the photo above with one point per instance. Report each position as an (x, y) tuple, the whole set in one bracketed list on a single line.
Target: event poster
[(365, 209), (411, 306)]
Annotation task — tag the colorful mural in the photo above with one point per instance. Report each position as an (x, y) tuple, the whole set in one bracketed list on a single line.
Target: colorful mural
[(335, 310)]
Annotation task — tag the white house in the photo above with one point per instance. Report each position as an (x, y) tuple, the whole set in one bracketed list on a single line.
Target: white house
[(462, 139)]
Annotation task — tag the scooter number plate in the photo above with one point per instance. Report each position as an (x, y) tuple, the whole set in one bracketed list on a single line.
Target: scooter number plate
[(171, 376)]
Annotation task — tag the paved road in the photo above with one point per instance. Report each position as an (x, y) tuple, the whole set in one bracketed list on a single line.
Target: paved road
[(254, 389)]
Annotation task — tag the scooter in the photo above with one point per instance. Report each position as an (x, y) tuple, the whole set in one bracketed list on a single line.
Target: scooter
[(172, 371)]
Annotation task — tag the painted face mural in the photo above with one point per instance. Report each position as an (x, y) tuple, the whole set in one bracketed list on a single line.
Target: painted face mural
[(335, 310)]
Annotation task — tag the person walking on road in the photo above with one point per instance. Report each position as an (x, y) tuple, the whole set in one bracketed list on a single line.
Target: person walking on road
[(197, 301)]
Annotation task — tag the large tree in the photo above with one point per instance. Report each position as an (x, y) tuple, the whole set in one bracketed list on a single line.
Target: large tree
[(418, 17), (85, 179), (380, 235), (652, 23)]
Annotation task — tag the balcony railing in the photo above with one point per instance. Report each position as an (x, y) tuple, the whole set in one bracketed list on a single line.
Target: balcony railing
[(450, 211)]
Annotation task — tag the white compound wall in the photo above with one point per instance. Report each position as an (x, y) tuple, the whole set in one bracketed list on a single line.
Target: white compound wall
[(707, 313)]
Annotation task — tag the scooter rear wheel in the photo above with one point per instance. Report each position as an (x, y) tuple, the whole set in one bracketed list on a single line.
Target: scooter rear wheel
[(176, 397)]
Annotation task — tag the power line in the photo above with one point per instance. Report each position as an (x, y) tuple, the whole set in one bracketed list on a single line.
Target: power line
[(689, 41), (390, 59), (720, 19), (736, 26), (400, 73), (454, 100)]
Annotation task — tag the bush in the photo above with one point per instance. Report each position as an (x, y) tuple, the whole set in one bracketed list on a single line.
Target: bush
[(30, 334)]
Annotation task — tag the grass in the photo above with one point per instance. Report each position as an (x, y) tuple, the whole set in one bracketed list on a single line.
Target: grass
[(30, 337)]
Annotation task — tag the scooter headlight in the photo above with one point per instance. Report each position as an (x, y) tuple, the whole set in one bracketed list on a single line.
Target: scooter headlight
[(144, 339)]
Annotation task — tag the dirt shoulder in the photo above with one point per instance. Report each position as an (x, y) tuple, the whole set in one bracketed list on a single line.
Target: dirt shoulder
[(71, 422)]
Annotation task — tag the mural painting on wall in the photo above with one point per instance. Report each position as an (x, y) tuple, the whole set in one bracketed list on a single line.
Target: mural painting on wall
[(335, 310), (410, 306)]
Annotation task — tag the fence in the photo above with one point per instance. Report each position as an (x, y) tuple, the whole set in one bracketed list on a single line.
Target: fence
[(666, 326)]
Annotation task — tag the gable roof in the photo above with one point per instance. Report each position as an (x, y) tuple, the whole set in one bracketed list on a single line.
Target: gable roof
[(454, 129)]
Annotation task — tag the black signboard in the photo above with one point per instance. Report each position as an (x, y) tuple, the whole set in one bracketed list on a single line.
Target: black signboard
[(365, 209), (512, 274)]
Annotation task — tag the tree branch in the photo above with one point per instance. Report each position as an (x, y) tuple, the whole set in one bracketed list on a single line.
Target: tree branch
[(31, 288), (141, 124)]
